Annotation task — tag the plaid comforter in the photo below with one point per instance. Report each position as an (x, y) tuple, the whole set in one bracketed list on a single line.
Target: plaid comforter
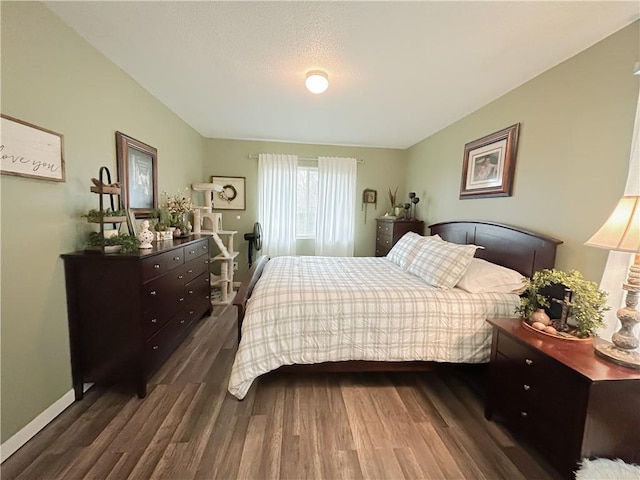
[(318, 309)]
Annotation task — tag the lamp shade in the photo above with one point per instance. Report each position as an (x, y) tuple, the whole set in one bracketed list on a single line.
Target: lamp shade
[(317, 81), (621, 231)]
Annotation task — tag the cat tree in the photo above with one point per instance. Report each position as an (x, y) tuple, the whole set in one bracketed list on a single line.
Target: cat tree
[(203, 217)]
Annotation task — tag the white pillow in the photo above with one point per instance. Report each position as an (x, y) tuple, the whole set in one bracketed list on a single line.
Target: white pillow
[(486, 277), (405, 249), (441, 263)]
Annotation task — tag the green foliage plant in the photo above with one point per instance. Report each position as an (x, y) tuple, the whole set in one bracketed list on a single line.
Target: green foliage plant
[(589, 303), (161, 219), (97, 215), (128, 243)]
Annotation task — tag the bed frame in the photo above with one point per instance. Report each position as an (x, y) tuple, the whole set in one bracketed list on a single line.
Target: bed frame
[(511, 247)]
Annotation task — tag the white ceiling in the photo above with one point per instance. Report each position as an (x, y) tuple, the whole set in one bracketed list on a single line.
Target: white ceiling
[(398, 71)]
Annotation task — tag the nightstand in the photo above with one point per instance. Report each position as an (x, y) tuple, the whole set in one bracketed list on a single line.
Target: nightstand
[(561, 398), (390, 230)]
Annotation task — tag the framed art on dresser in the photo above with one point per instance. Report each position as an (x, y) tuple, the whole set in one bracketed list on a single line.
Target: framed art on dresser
[(137, 174)]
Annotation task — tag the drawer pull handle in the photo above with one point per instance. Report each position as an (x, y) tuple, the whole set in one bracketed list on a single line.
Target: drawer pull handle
[(190, 292), (189, 271), (181, 322), (152, 292), (526, 388), (155, 347), (206, 296), (154, 320), (206, 262), (528, 361), (191, 252), (156, 266), (176, 258), (180, 277), (190, 312), (524, 414), (204, 247), (181, 299), (387, 242)]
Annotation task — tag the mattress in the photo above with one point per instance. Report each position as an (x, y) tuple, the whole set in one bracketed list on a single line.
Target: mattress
[(307, 310)]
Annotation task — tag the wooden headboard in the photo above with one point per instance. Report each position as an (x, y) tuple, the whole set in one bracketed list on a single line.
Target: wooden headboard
[(511, 247)]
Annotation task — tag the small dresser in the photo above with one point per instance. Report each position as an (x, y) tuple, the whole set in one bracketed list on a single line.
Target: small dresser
[(390, 230), (561, 398), (127, 313)]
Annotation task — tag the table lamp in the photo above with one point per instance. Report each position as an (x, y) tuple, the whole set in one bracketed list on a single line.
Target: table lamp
[(621, 232)]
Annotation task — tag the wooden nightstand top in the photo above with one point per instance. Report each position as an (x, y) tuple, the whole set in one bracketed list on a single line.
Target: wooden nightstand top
[(579, 356)]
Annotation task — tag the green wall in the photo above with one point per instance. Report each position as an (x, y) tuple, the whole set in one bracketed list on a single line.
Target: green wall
[(576, 123), (54, 79), (382, 169)]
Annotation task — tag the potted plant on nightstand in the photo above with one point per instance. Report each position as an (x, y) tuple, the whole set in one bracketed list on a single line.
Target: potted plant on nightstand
[(582, 303)]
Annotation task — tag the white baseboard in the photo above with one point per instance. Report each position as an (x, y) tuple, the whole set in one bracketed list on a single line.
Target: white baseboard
[(25, 434)]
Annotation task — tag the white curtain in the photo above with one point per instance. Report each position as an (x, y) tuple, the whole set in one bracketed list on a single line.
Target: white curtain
[(336, 206), (277, 180), (618, 263)]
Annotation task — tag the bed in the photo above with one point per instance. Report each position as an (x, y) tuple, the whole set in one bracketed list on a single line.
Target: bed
[(376, 313)]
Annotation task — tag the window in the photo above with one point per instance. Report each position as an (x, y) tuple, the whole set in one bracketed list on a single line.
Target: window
[(307, 202)]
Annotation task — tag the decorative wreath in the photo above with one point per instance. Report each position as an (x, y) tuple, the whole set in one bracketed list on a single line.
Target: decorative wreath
[(228, 193)]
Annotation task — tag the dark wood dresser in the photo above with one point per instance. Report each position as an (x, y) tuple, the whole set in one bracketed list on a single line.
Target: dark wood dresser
[(390, 230), (561, 398), (127, 313)]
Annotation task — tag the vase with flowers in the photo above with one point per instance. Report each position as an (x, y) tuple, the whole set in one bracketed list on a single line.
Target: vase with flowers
[(179, 206), (396, 209)]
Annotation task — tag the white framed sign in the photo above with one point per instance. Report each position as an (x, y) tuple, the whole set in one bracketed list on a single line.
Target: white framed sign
[(27, 150)]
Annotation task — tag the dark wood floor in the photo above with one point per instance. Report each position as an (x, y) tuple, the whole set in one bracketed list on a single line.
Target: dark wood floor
[(410, 425)]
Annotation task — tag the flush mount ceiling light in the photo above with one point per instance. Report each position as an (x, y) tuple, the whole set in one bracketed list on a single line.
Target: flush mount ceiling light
[(317, 81), (636, 68)]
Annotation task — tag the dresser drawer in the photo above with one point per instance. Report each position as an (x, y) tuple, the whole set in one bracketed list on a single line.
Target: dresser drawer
[(161, 296), (195, 250), (381, 251), (196, 267), (198, 291), (389, 232), (160, 346), (160, 264), (153, 320)]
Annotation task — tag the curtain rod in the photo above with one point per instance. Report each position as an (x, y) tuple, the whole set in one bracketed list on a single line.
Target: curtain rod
[(255, 157)]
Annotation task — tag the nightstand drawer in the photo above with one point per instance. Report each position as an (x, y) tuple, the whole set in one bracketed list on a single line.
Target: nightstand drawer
[(536, 378)]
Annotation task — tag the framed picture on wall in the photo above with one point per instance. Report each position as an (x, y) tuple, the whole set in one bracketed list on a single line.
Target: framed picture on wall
[(489, 163), (229, 193), (137, 174), (27, 150)]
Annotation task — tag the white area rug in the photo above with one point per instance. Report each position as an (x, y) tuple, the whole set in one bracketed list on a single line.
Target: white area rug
[(603, 469)]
